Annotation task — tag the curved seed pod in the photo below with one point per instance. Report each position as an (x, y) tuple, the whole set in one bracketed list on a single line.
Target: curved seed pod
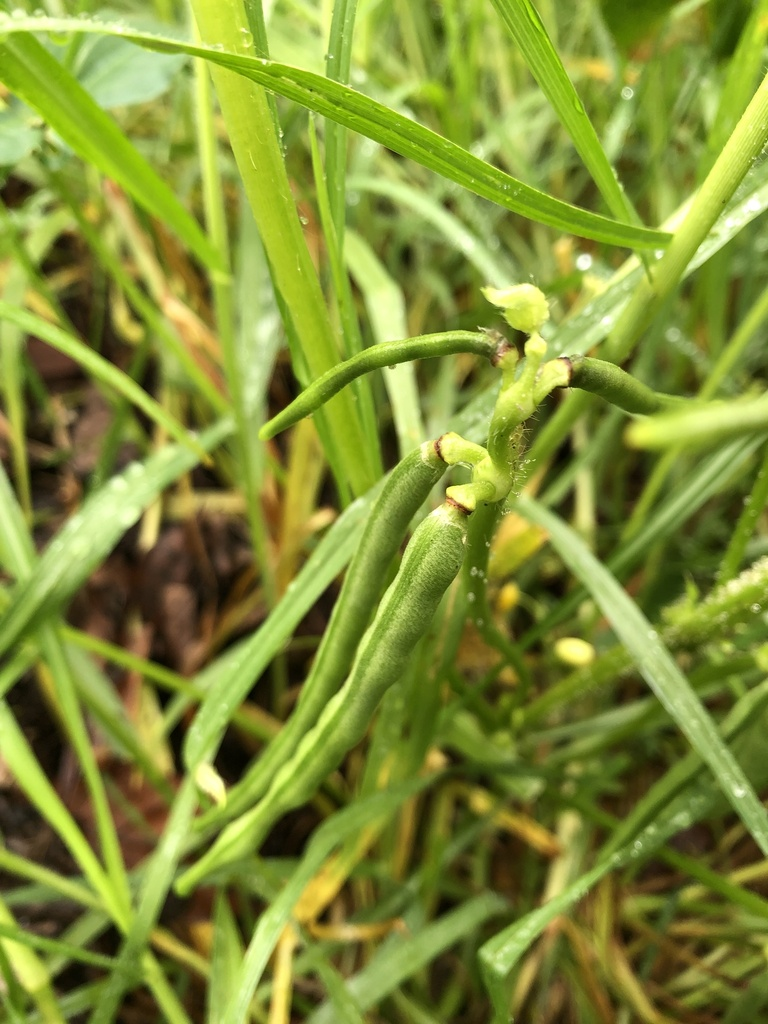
[(388, 353), (610, 382), (430, 564), (404, 492)]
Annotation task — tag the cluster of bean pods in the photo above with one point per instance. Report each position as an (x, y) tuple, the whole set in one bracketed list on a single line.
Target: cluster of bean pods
[(355, 665)]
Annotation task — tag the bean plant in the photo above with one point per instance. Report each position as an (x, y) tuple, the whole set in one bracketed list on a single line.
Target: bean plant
[(517, 775)]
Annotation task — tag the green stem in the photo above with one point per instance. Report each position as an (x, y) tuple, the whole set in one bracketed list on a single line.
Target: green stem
[(257, 151), (722, 612), (482, 526), (739, 153), (221, 284), (702, 425), (745, 527)]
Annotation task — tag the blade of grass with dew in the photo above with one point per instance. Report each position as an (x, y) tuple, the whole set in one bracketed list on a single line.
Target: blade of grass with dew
[(384, 125), (39, 942), (495, 268), (191, 690), (710, 476), (594, 321), (89, 535), (32, 74), (592, 324), (56, 674), (98, 694), (337, 64), (255, 141), (227, 953), (743, 70), (743, 715), (348, 822), (153, 891), (235, 677), (102, 370), (222, 287), (12, 385), (400, 958), (385, 304), (527, 29), (755, 504), (744, 146), (656, 665), (623, 322), (33, 781), (27, 251), (346, 311), (500, 954)]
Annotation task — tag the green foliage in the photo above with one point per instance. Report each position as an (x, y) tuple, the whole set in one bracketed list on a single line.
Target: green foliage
[(469, 778)]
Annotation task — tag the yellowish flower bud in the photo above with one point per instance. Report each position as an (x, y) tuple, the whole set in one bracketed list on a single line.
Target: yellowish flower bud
[(525, 306), (573, 651)]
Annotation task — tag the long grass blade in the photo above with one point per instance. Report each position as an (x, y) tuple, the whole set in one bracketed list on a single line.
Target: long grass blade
[(354, 110), (657, 667), (40, 80)]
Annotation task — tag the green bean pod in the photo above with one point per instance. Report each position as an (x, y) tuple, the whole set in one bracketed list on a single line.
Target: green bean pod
[(430, 564), (610, 382), (404, 492), (388, 353)]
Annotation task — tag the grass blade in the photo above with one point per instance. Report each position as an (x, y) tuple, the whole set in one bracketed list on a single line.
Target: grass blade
[(657, 667), (334, 831), (102, 370), (90, 535), (243, 667), (382, 124), (41, 81), (527, 29)]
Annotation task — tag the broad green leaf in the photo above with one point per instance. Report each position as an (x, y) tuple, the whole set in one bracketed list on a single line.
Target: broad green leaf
[(657, 667), (117, 74), (527, 29), (37, 78), (18, 135), (368, 117), (88, 536)]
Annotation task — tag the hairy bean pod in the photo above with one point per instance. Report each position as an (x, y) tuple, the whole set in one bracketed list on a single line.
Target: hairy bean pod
[(404, 492), (388, 353), (610, 382), (430, 564)]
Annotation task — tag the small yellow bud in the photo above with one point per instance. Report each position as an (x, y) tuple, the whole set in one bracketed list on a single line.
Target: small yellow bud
[(574, 652), (508, 598), (525, 306), (208, 781)]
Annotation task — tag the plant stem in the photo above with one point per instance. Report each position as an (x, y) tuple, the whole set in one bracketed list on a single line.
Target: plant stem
[(257, 151)]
